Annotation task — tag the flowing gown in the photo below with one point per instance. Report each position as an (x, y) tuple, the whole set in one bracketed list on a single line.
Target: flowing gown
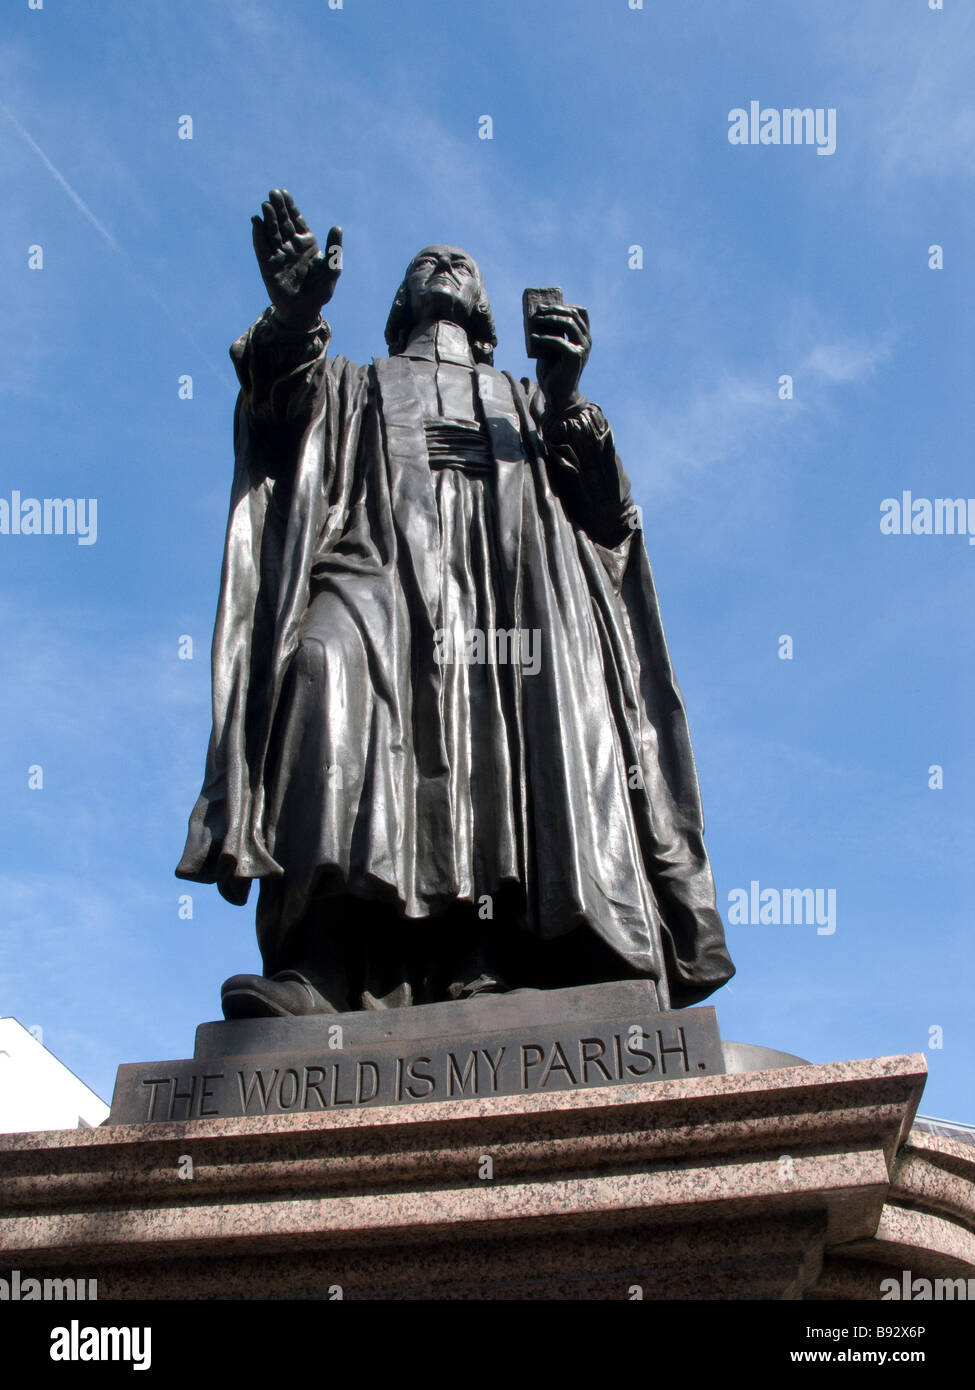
[(441, 680)]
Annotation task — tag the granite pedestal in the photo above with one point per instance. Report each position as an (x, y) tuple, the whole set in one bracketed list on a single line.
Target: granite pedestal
[(800, 1182)]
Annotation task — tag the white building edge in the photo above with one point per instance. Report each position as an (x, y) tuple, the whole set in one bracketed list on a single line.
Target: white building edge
[(39, 1092)]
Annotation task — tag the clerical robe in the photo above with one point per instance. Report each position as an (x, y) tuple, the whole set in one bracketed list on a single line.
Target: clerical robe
[(439, 671)]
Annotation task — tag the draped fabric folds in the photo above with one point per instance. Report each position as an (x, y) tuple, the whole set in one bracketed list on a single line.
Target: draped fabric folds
[(359, 744)]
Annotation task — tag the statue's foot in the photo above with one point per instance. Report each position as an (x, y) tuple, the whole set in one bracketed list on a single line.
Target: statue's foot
[(484, 984), (285, 995)]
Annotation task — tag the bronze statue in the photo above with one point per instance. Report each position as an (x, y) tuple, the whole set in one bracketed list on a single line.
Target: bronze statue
[(447, 738)]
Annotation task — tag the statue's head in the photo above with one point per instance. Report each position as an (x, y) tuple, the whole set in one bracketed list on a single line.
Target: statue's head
[(443, 282)]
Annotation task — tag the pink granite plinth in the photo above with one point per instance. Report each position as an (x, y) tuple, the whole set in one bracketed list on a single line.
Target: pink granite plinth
[(927, 1226), (731, 1186)]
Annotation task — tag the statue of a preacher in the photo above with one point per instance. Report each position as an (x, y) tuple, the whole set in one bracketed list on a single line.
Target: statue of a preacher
[(447, 738)]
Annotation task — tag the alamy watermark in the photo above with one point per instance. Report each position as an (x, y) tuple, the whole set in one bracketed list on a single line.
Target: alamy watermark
[(494, 646), (757, 906), (50, 516), (77, 1343), (19, 1288), (911, 1290), (793, 125), (908, 515)]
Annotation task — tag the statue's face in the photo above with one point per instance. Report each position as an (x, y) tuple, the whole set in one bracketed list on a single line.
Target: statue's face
[(443, 283)]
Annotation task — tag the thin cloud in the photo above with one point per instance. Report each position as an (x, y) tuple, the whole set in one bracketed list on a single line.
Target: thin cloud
[(909, 90), (845, 362), (714, 426), (740, 415)]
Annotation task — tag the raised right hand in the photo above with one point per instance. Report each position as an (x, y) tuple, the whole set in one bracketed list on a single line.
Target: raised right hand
[(299, 278)]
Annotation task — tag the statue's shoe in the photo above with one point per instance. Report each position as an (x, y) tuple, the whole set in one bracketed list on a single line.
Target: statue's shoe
[(475, 989), (285, 995)]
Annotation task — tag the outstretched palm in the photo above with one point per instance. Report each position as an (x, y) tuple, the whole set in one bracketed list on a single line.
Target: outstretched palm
[(299, 278)]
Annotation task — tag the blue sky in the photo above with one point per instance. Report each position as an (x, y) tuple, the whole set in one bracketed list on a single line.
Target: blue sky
[(762, 515)]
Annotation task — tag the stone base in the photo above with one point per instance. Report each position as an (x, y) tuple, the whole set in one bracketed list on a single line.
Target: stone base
[(495, 1045), (792, 1183)]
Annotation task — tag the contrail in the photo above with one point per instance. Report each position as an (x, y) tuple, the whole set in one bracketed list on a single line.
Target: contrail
[(78, 202), (103, 231)]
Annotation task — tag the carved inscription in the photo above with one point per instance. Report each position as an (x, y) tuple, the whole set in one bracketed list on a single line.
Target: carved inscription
[(549, 1059)]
